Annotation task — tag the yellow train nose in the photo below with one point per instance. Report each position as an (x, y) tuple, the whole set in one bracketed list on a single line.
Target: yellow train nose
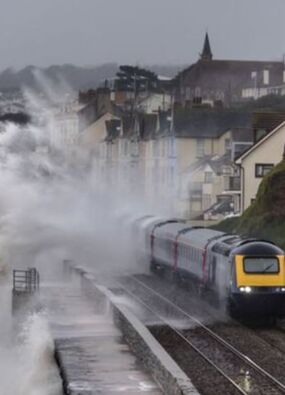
[(270, 272)]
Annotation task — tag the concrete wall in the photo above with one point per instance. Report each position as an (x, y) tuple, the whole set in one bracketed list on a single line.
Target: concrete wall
[(162, 367)]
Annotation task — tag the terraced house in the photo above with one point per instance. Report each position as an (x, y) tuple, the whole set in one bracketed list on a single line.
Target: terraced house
[(183, 159)]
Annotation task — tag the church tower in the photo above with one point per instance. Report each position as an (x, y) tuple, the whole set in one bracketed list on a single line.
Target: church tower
[(206, 53)]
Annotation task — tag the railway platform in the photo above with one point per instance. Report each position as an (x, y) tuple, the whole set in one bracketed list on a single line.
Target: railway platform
[(92, 355)]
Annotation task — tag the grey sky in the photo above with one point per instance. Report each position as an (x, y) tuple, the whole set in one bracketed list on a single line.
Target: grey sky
[(87, 32)]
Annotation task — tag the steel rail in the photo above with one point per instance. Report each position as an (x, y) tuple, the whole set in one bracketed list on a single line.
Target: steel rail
[(214, 335)]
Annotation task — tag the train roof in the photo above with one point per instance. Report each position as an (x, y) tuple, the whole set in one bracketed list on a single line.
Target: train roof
[(238, 245), (257, 247), (200, 237), (152, 223), (169, 230), (145, 222)]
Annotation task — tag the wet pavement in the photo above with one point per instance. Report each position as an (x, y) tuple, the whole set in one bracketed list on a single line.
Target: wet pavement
[(93, 355)]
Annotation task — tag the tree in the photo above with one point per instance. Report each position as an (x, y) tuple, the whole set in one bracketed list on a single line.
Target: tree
[(136, 79)]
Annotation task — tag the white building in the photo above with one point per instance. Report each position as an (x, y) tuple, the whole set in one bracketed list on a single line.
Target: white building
[(258, 161), (155, 102)]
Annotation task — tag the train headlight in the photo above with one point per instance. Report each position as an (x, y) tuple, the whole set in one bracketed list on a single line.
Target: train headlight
[(246, 289), (283, 289)]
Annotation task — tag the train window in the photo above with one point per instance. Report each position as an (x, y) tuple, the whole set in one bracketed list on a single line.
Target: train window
[(213, 269), (266, 265)]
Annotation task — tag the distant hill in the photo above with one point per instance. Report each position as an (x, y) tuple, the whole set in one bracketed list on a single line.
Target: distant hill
[(69, 76)]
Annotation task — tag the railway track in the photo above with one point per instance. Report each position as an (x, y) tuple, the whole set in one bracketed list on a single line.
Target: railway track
[(229, 370), (263, 344), (275, 337)]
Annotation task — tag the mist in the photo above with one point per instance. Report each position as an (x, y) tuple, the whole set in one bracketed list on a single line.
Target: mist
[(54, 205)]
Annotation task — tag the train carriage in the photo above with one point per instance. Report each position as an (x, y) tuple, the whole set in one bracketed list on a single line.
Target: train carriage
[(246, 274)]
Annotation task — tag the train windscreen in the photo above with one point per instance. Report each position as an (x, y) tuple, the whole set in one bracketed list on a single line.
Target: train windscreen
[(261, 265)]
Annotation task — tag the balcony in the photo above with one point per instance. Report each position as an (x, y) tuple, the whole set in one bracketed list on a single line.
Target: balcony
[(232, 183)]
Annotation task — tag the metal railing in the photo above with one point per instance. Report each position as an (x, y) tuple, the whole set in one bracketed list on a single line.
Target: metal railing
[(232, 183), (26, 281)]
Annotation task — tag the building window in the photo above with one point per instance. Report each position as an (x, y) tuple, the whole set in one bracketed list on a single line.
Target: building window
[(125, 147), (156, 148), (135, 148), (208, 177), (259, 133), (188, 93), (171, 150), (207, 201), (228, 145), (200, 148), (227, 170), (266, 77), (162, 147), (261, 169)]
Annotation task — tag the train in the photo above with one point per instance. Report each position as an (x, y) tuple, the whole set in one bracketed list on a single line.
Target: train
[(247, 275)]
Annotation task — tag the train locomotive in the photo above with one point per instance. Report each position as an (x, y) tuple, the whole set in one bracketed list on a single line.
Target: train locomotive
[(247, 275)]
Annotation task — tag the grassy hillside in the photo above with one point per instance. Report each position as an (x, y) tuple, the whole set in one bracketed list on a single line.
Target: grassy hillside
[(265, 218)]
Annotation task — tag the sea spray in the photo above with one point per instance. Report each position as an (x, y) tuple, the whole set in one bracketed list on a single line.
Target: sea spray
[(27, 365)]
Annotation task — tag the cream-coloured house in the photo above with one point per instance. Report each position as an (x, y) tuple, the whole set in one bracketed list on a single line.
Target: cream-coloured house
[(257, 161), (95, 133), (150, 155), (204, 185)]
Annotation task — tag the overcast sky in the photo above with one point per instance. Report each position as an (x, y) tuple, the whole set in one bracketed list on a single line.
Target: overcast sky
[(88, 32)]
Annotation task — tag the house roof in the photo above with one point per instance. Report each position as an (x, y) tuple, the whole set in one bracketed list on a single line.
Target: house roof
[(214, 161), (209, 123), (242, 135), (267, 120), (260, 142), (231, 74), (223, 207)]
